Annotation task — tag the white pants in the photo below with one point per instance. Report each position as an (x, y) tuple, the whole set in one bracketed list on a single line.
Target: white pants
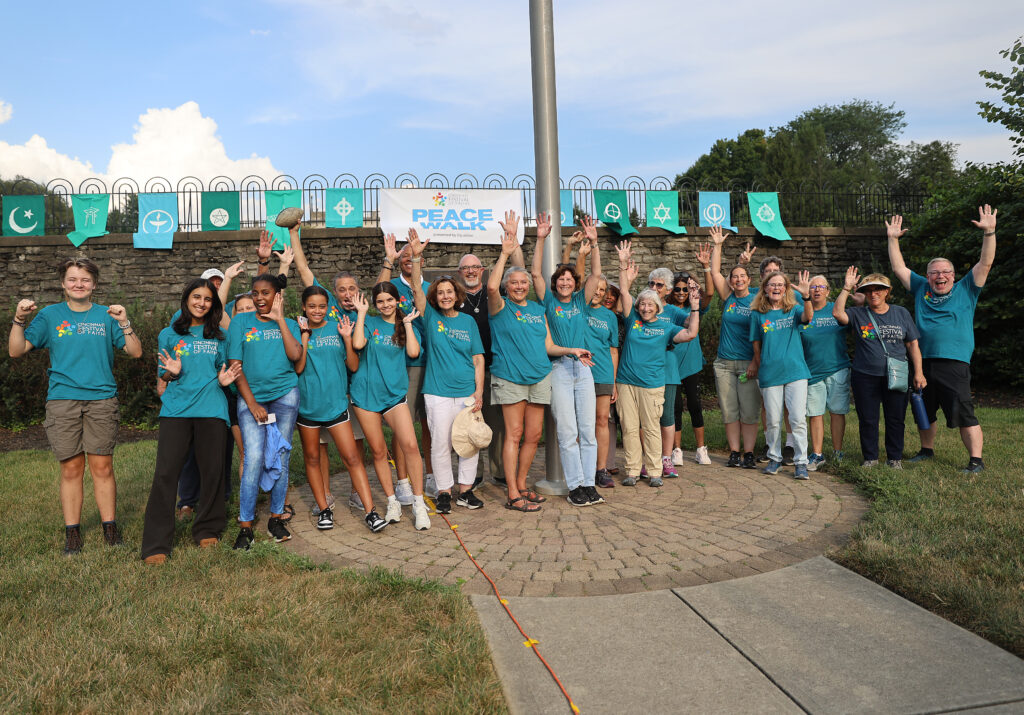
[(441, 413), (794, 395)]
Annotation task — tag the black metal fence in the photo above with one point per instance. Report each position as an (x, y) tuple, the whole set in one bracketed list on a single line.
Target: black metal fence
[(802, 205)]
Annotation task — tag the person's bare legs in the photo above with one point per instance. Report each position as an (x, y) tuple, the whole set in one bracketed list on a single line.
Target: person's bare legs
[(373, 432), (838, 424), (817, 425), (312, 455), (325, 470), (732, 435), (973, 439), (533, 425), (602, 413), (352, 455), (749, 436), (399, 420), (72, 474), (101, 467), (513, 415)]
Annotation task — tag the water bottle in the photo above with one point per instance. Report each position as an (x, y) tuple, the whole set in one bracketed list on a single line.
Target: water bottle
[(919, 410)]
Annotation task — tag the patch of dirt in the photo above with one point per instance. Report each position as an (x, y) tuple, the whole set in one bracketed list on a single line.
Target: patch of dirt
[(996, 398), (34, 437)]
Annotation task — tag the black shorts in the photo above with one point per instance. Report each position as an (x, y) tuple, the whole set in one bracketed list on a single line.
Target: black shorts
[(232, 406), (326, 424), (949, 387)]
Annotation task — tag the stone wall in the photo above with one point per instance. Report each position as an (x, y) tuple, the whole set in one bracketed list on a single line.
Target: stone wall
[(156, 276)]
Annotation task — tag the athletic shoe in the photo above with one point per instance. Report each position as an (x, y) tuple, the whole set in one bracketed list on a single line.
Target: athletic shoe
[(787, 456), (277, 529), (801, 472), (330, 500), (469, 500), (629, 482), (443, 503), (701, 456), (603, 479), (762, 456), (921, 456), (478, 481), (314, 510), (325, 520), (111, 534), (394, 512), (643, 472), (374, 523), (403, 490), (594, 497), (420, 518), (735, 459), (578, 497), (72, 540), (657, 482), (245, 539), (668, 469), (838, 457), (355, 502), (973, 467), (677, 457), (894, 463), (869, 463), (772, 467), (748, 461), (430, 486), (814, 461)]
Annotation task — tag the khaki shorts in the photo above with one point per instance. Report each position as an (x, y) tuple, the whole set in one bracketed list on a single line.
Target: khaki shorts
[(740, 401), (76, 426), (504, 392), (414, 396)]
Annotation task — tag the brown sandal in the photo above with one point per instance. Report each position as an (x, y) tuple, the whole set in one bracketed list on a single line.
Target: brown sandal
[(520, 503), (533, 497)]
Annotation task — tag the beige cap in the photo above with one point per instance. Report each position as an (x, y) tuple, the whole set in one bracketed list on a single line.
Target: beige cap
[(470, 433), (874, 279)]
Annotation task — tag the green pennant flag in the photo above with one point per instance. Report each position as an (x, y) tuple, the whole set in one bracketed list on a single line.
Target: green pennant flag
[(765, 214), (663, 211), (613, 211), (24, 215), (344, 208), (276, 202), (90, 211), (220, 211)]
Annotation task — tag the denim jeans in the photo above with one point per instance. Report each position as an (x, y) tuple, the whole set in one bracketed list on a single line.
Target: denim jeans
[(286, 407), (574, 407), (794, 395)]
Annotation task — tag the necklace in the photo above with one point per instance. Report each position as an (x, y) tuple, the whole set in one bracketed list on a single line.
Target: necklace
[(475, 299)]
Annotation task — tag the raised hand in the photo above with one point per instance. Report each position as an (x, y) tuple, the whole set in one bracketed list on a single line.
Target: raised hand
[(543, 225), (717, 235), (227, 375), (509, 244), (345, 327), (232, 272), (852, 279), (576, 237), (118, 313), (895, 228), (589, 228), (286, 256), (415, 245), (303, 324), (585, 248), (411, 316), (169, 364), (277, 309), (265, 248), (704, 254), (390, 250), (360, 302), (748, 253), (511, 225), (625, 251), (25, 308), (630, 272), (694, 296), (986, 218), (803, 283)]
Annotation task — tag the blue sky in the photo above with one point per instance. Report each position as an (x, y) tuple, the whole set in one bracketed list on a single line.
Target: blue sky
[(361, 86)]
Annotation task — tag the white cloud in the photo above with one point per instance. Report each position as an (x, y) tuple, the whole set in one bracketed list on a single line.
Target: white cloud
[(169, 143), (6, 110), (984, 148)]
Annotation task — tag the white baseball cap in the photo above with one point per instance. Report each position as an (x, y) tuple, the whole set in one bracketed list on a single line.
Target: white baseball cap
[(212, 273)]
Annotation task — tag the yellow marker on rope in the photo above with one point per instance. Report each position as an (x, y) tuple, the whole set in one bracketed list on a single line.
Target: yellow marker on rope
[(531, 643), (454, 527), (574, 708), (503, 601)]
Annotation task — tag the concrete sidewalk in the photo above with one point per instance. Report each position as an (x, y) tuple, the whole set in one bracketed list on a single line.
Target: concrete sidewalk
[(813, 637)]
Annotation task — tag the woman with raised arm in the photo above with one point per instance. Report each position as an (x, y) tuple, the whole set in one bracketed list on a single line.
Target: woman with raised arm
[(266, 345), (880, 331), (454, 376), (192, 353), (327, 357), (379, 390), (735, 371), (690, 362), (781, 368), (603, 344), (81, 398), (572, 383), (641, 378)]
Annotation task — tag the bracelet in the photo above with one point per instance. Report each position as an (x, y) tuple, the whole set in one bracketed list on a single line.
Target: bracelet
[(167, 377), (417, 259), (707, 270), (15, 321), (262, 263), (389, 265), (128, 332), (989, 233), (126, 326)]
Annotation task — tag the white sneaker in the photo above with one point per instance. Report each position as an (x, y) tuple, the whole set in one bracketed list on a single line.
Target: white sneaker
[(429, 487), (677, 457), (355, 502), (701, 456), (420, 517), (394, 512), (403, 490)]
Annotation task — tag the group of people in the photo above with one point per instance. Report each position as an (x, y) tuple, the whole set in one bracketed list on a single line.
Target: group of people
[(464, 349)]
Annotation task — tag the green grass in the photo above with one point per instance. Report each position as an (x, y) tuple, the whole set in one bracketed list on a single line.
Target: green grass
[(214, 630)]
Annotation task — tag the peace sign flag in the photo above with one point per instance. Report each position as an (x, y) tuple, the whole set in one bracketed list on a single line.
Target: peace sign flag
[(23, 215)]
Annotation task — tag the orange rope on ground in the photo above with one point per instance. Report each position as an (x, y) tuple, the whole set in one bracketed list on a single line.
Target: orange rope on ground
[(529, 642)]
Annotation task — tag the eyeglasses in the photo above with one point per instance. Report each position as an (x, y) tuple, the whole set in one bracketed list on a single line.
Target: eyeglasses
[(471, 268), (819, 288), (655, 284), (940, 273)]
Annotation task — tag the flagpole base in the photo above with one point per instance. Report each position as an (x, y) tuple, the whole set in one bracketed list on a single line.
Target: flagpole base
[(553, 483)]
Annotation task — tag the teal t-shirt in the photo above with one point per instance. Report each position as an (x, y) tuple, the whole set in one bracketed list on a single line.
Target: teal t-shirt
[(678, 318), (81, 349), (518, 333), (260, 347), (323, 383), (383, 377), (824, 342), (782, 352), (451, 345), (946, 322), (689, 356), (644, 351), (602, 335), (734, 337), (567, 320), (406, 303), (197, 393)]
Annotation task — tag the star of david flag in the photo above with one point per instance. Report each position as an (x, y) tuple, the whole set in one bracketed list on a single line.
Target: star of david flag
[(220, 210), (276, 202), (713, 209), (765, 214), (90, 211), (565, 199), (344, 208), (158, 220), (663, 211), (613, 210), (24, 215)]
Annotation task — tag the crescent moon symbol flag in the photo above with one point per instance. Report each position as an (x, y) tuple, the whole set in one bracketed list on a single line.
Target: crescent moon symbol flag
[(14, 224)]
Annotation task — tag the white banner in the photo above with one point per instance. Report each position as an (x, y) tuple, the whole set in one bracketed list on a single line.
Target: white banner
[(449, 215)]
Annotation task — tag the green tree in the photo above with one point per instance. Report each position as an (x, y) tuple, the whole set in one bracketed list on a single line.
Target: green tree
[(1011, 89), (740, 159)]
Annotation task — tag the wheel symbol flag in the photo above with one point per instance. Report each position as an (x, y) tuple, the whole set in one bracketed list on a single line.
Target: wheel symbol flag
[(612, 211), (765, 213)]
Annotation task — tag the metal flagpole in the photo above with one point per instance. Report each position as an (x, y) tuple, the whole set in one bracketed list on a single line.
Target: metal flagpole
[(545, 150)]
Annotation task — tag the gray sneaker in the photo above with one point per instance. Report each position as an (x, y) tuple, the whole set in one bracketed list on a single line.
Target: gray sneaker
[(657, 482), (894, 463), (801, 472), (629, 482), (869, 463)]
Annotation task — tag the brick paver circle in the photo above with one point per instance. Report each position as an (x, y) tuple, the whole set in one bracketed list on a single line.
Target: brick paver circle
[(711, 524)]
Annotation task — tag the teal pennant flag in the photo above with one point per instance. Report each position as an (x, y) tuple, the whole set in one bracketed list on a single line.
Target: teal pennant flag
[(90, 211), (24, 215), (613, 211), (713, 208), (158, 220), (663, 211), (344, 208), (565, 199), (765, 214), (220, 211), (276, 202)]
